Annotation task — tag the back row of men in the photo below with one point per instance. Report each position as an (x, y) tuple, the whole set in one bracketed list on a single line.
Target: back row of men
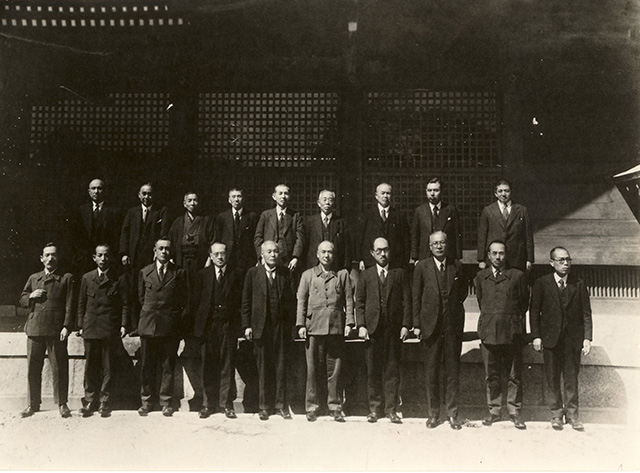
[(226, 299)]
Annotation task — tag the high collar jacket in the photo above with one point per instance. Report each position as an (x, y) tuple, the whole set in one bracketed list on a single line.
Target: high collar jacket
[(290, 242), (103, 306), (48, 314)]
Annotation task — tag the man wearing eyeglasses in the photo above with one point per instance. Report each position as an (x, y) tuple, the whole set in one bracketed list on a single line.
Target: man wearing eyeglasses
[(562, 329)]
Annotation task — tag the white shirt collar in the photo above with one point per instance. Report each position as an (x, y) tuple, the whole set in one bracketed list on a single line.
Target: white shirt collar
[(97, 205), (495, 271), (439, 205), (101, 272), (234, 212), (558, 278), (381, 208), (159, 265), (223, 269), (502, 206), (327, 216), (438, 263), (268, 269), (380, 268), (279, 210), (147, 208)]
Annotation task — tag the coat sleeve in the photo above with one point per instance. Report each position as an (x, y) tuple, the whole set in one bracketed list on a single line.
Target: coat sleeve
[(303, 298), (298, 247), (348, 295), (586, 312), (258, 238), (125, 294), (535, 310), (247, 298), (361, 298), (25, 302), (69, 319), (478, 286), (528, 235), (483, 228), (141, 288), (415, 236), (82, 302), (407, 319), (418, 287)]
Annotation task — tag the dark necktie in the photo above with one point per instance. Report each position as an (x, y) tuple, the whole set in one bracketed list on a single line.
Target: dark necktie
[(383, 214), (220, 276), (101, 277), (161, 272), (505, 213), (442, 268), (383, 276), (236, 224), (436, 217)]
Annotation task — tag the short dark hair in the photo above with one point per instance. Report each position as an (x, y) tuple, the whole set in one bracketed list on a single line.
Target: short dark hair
[(105, 245), (162, 238), (236, 188), (47, 245), (552, 253), (435, 180), (501, 242), (501, 182)]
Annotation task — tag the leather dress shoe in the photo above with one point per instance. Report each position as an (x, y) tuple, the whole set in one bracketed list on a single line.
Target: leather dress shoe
[(338, 416), (230, 413), (372, 417), (285, 414), (64, 410), (493, 418), (167, 411), (517, 422), (432, 422), (105, 410), (454, 423), (312, 416), (556, 423), (144, 411), (86, 411), (263, 414), (205, 413), (576, 424), (29, 411), (394, 418)]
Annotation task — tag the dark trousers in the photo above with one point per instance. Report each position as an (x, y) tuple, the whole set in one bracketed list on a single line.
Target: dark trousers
[(218, 373), (245, 362), (324, 362), (269, 351), (562, 360), (499, 361), (37, 347), (100, 357), (158, 353), (382, 357), (443, 349)]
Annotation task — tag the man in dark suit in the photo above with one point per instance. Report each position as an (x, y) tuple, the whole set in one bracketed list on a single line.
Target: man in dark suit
[(509, 222), (142, 226), (284, 226), (103, 318), (387, 222), (267, 307), (503, 298), (562, 329), (383, 318), (236, 228), (191, 234), (434, 216), (439, 291), (218, 293), (162, 292), (324, 317), (327, 226), (98, 222), (49, 297)]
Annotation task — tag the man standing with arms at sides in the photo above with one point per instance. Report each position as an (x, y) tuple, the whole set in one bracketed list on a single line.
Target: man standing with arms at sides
[(284, 226), (267, 307), (162, 292), (49, 297), (503, 298), (327, 226), (386, 222), (439, 291), (217, 322), (434, 216), (192, 233), (142, 226), (98, 222), (509, 222), (383, 318), (324, 317), (562, 329), (236, 228), (103, 316)]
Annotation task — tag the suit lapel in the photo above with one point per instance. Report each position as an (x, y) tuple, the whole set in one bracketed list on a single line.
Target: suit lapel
[(571, 289), (288, 220), (552, 288), (168, 276), (273, 220), (513, 214), (495, 210), (451, 275), (376, 287)]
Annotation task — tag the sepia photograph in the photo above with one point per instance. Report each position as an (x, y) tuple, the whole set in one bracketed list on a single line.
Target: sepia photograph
[(320, 235)]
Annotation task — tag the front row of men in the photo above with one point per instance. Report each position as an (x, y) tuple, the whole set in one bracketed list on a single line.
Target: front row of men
[(264, 311)]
